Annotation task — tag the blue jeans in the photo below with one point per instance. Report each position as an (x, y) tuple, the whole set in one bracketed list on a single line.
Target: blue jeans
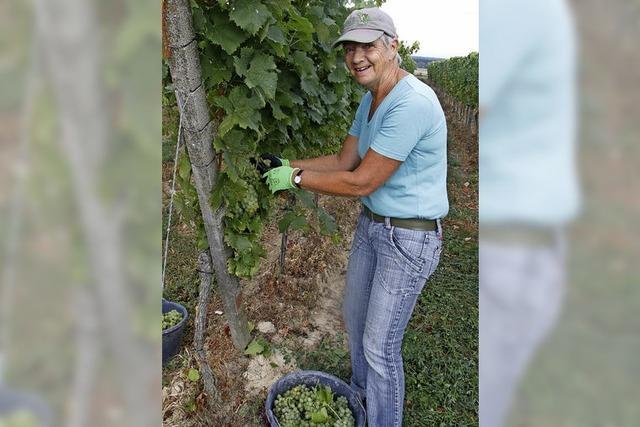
[(388, 267)]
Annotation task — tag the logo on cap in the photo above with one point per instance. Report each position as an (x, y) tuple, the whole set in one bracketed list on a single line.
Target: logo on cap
[(364, 18)]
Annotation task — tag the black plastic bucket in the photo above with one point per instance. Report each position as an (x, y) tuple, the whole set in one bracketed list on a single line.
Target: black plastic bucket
[(312, 379), (172, 337)]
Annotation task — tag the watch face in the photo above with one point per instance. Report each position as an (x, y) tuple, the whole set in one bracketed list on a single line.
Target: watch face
[(297, 179)]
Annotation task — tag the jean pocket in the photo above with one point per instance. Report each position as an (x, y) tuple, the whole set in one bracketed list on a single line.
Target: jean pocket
[(409, 246), (401, 264)]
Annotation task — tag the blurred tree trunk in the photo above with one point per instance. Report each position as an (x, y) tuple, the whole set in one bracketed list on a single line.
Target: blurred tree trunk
[(198, 132), (72, 56)]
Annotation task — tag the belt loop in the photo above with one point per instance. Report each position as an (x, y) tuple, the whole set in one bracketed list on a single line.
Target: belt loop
[(439, 228), (387, 222)]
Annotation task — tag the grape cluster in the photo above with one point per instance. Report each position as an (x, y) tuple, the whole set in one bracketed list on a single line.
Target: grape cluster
[(302, 406), (171, 319)]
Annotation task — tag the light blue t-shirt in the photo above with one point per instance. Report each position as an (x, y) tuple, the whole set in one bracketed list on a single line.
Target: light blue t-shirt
[(408, 126), (528, 165)]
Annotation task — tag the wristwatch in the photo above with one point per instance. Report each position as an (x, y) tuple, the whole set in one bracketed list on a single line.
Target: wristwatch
[(298, 178)]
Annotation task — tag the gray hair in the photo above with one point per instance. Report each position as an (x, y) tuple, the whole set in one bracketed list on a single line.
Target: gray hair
[(386, 41)]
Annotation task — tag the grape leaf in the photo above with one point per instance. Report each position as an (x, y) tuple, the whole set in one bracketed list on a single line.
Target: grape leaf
[(304, 64), (275, 34), (320, 416), (214, 72), (241, 63), (241, 110), (292, 220), (254, 348), (249, 15), (262, 73), (225, 33), (310, 85)]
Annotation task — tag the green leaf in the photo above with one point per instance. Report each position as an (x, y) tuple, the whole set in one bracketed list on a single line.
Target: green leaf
[(242, 110), (193, 375), (251, 326), (262, 73), (275, 34), (202, 243), (304, 64), (301, 25), (254, 348), (241, 62), (310, 85), (214, 73), (240, 243), (249, 15), (338, 75), (184, 168), (200, 22), (320, 416), (224, 33), (292, 220), (278, 114), (327, 223)]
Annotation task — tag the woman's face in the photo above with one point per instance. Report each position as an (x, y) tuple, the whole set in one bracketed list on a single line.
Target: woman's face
[(369, 62)]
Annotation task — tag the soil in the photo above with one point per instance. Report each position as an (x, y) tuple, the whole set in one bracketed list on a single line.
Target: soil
[(303, 304)]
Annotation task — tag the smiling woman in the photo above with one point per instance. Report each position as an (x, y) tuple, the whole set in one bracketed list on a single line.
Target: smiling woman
[(394, 159)]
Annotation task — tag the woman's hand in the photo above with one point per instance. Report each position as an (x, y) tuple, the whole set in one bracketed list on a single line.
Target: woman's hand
[(280, 178), (268, 161)]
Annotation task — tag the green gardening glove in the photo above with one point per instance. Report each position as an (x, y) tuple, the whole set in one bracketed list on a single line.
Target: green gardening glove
[(280, 178)]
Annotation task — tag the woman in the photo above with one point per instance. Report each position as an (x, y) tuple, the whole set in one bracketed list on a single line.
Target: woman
[(394, 159)]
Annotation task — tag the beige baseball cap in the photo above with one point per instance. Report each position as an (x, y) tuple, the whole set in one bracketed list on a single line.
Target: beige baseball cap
[(365, 26)]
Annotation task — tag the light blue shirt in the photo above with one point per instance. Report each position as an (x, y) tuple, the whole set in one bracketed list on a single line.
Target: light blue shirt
[(528, 171), (408, 126)]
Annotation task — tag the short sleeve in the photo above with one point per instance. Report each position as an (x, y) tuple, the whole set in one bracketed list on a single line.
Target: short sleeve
[(357, 120), (402, 127)]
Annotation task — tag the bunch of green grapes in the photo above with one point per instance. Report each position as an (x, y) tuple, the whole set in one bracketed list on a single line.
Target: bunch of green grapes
[(171, 319), (302, 406)]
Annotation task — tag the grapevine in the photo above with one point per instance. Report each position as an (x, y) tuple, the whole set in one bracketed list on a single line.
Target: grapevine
[(274, 84), (458, 77)]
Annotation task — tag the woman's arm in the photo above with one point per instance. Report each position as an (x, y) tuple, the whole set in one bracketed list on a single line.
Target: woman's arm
[(367, 177), (346, 160)]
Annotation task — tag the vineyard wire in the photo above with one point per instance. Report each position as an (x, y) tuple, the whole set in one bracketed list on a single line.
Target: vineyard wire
[(173, 189)]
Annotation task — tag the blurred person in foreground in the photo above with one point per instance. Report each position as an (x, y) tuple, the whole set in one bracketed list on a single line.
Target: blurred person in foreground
[(528, 186), (394, 159)]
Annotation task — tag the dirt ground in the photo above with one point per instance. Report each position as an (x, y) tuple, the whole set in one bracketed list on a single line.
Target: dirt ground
[(296, 310)]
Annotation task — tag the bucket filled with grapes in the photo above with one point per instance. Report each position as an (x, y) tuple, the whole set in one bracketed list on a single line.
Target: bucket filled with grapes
[(313, 398), (174, 317)]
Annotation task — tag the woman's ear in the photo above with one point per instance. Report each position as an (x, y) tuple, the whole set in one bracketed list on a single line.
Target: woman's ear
[(394, 49)]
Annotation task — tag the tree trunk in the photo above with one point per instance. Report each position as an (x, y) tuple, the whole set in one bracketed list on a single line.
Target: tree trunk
[(198, 133), (84, 141), (209, 381)]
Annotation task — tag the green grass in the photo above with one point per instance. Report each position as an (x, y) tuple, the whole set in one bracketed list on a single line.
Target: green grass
[(440, 348)]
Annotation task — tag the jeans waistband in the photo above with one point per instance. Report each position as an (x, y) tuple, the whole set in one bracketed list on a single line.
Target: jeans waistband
[(409, 223)]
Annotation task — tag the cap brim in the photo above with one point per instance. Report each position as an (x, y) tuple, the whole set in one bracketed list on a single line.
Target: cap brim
[(360, 36)]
